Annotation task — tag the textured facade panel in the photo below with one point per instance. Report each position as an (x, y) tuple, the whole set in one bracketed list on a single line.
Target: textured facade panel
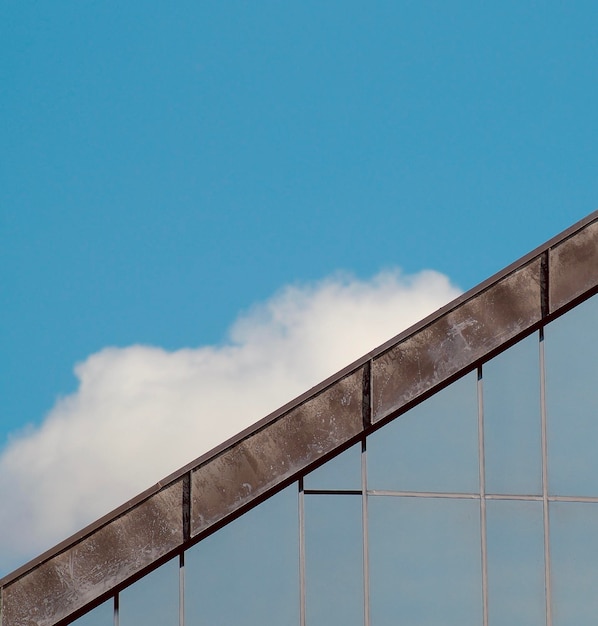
[(456, 340), (271, 455), (96, 564), (573, 267)]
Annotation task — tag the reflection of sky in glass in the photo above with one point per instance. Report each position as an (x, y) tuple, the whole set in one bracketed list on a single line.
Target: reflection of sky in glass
[(515, 539), (512, 423), (342, 472), (102, 615), (433, 447), (571, 344), (333, 560), (574, 561), (153, 600), (247, 574), (425, 565)]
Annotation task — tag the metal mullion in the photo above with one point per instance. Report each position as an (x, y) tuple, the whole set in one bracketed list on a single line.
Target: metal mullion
[(182, 589), (482, 470), (423, 494), (545, 499), (116, 609), (332, 492), (593, 499), (513, 496), (302, 610), (365, 526)]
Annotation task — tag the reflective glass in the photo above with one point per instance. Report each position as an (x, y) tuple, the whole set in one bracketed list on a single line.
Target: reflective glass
[(515, 540), (572, 401), (342, 472), (425, 563), (102, 615), (574, 562), (333, 560), (153, 600), (512, 421), (247, 573), (433, 447)]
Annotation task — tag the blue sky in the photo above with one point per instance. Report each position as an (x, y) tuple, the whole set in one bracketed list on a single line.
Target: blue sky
[(165, 168)]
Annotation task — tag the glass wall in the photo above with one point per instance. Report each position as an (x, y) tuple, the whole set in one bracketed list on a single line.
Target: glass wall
[(478, 507)]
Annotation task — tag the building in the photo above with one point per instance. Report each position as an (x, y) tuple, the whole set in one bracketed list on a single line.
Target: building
[(448, 477)]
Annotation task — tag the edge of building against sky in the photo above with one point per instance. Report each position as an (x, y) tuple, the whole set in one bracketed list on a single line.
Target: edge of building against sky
[(447, 477)]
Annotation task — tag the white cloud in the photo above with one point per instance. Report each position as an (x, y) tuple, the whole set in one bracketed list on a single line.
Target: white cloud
[(141, 412)]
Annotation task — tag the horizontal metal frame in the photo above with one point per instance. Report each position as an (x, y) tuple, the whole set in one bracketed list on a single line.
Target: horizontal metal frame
[(225, 482), (447, 494)]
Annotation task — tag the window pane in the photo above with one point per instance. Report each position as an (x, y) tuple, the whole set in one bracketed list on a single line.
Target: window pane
[(574, 562), (433, 447), (152, 600), (512, 422), (247, 573), (425, 563), (342, 472), (102, 615), (333, 560), (515, 539), (572, 401)]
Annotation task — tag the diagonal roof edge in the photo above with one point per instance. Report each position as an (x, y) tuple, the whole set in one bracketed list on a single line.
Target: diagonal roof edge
[(302, 433)]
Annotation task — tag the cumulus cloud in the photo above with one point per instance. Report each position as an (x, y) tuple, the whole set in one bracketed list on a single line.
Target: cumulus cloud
[(141, 412)]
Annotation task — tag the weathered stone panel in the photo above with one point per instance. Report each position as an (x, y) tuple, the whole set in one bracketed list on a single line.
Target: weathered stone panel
[(271, 455), (456, 340), (96, 564), (573, 267)]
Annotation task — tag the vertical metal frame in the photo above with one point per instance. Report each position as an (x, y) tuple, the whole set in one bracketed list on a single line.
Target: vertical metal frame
[(482, 470), (116, 609), (182, 589), (365, 531), (545, 502), (302, 581)]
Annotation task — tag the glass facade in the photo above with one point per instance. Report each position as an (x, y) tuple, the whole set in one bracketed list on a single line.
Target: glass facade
[(477, 507)]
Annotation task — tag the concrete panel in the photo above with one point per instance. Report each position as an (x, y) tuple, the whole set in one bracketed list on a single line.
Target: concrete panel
[(456, 340), (271, 455), (97, 563), (573, 267)]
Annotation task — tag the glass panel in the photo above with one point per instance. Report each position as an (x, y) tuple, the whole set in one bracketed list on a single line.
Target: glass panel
[(425, 563), (574, 562), (152, 600), (572, 401), (512, 422), (342, 472), (102, 615), (433, 447), (515, 539), (247, 573), (333, 560)]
